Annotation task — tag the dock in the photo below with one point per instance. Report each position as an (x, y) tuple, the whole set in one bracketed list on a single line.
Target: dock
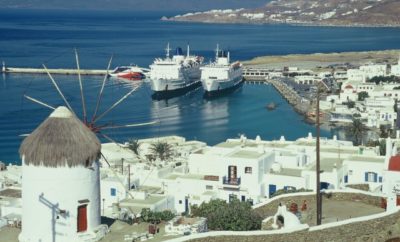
[(300, 104), (21, 70)]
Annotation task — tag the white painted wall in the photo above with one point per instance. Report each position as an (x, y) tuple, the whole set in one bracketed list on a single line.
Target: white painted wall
[(63, 187)]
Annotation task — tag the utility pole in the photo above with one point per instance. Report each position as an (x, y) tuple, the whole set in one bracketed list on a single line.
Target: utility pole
[(129, 177), (318, 170)]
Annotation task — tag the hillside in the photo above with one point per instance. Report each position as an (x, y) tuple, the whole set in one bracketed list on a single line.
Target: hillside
[(132, 5), (307, 12)]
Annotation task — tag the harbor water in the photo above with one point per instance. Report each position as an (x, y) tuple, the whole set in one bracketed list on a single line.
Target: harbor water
[(32, 37)]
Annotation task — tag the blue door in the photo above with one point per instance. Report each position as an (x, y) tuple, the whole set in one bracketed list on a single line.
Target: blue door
[(186, 205), (346, 179), (272, 189)]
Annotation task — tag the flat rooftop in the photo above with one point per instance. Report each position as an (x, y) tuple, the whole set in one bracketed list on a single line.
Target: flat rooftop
[(328, 164), (376, 159), (174, 176), (340, 150), (288, 172), (150, 200), (246, 154)]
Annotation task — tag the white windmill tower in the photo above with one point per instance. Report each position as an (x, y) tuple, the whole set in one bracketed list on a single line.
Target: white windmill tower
[(60, 174), (60, 181)]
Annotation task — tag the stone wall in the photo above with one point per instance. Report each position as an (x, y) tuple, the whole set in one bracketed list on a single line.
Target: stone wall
[(374, 230), (362, 187), (271, 208)]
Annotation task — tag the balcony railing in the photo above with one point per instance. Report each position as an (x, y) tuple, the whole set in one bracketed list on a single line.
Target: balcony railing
[(231, 181)]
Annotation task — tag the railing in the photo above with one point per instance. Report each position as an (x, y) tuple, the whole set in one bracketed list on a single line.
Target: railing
[(231, 181)]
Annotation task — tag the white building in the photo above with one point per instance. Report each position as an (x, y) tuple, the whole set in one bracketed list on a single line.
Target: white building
[(60, 181), (391, 176), (373, 70)]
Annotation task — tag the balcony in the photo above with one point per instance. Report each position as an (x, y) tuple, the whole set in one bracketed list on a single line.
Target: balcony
[(231, 181)]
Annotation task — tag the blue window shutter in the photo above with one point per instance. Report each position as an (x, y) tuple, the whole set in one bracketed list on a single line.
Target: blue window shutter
[(375, 177), (346, 179), (366, 176), (113, 192), (380, 179)]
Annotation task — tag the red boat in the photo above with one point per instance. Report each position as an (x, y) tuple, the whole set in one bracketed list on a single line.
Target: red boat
[(128, 72)]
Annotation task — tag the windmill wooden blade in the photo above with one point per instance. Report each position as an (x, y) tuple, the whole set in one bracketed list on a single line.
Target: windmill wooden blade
[(39, 102), (80, 85), (102, 89), (58, 89), (130, 125), (115, 104), (105, 159), (111, 140)]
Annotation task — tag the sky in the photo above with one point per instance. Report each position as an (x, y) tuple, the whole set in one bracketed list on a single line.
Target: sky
[(154, 5)]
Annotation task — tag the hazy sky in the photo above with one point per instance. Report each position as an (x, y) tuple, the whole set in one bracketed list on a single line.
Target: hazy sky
[(186, 5)]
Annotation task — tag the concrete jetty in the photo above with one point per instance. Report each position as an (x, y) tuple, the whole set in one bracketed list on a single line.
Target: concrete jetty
[(300, 104), (52, 71)]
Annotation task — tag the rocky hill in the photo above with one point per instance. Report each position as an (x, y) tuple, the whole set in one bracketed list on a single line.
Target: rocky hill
[(307, 12)]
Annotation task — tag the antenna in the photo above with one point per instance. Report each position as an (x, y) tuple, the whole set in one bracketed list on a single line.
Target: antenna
[(216, 52), (168, 50)]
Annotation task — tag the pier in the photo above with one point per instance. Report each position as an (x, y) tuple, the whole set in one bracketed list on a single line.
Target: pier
[(300, 104), (20, 70)]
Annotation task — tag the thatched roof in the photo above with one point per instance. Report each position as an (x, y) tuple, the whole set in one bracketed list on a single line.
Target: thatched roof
[(61, 140)]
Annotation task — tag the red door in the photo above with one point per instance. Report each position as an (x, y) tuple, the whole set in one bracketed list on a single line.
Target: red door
[(398, 200), (82, 218)]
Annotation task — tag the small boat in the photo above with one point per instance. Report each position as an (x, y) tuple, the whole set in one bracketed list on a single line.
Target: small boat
[(271, 106), (132, 72)]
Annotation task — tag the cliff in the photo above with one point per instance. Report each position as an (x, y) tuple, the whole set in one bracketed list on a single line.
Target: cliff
[(307, 12)]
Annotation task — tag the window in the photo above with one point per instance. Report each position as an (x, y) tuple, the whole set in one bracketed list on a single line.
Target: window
[(350, 172), (248, 170), (113, 192), (180, 201), (208, 187), (371, 177)]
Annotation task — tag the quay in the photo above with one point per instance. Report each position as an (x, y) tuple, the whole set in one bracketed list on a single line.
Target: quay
[(21, 70), (300, 104)]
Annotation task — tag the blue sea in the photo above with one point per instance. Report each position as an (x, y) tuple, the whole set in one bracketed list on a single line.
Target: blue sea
[(30, 38)]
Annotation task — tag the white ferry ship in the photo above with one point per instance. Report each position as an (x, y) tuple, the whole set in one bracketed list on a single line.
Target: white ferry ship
[(175, 75), (221, 76)]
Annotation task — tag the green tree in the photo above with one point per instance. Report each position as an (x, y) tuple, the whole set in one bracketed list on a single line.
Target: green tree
[(162, 150), (357, 131), (381, 143), (149, 216), (350, 104), (234, 216), (362, 96), (134, 146)]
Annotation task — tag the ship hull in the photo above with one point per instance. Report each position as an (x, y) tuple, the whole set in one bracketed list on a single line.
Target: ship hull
[(159, 95), (219, 90)]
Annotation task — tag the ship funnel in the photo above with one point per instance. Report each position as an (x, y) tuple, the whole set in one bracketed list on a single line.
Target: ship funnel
[(179, 51)]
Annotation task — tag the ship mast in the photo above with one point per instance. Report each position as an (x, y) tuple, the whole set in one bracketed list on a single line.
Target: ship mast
[(188, 51), (168, 49), (217, 52)]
